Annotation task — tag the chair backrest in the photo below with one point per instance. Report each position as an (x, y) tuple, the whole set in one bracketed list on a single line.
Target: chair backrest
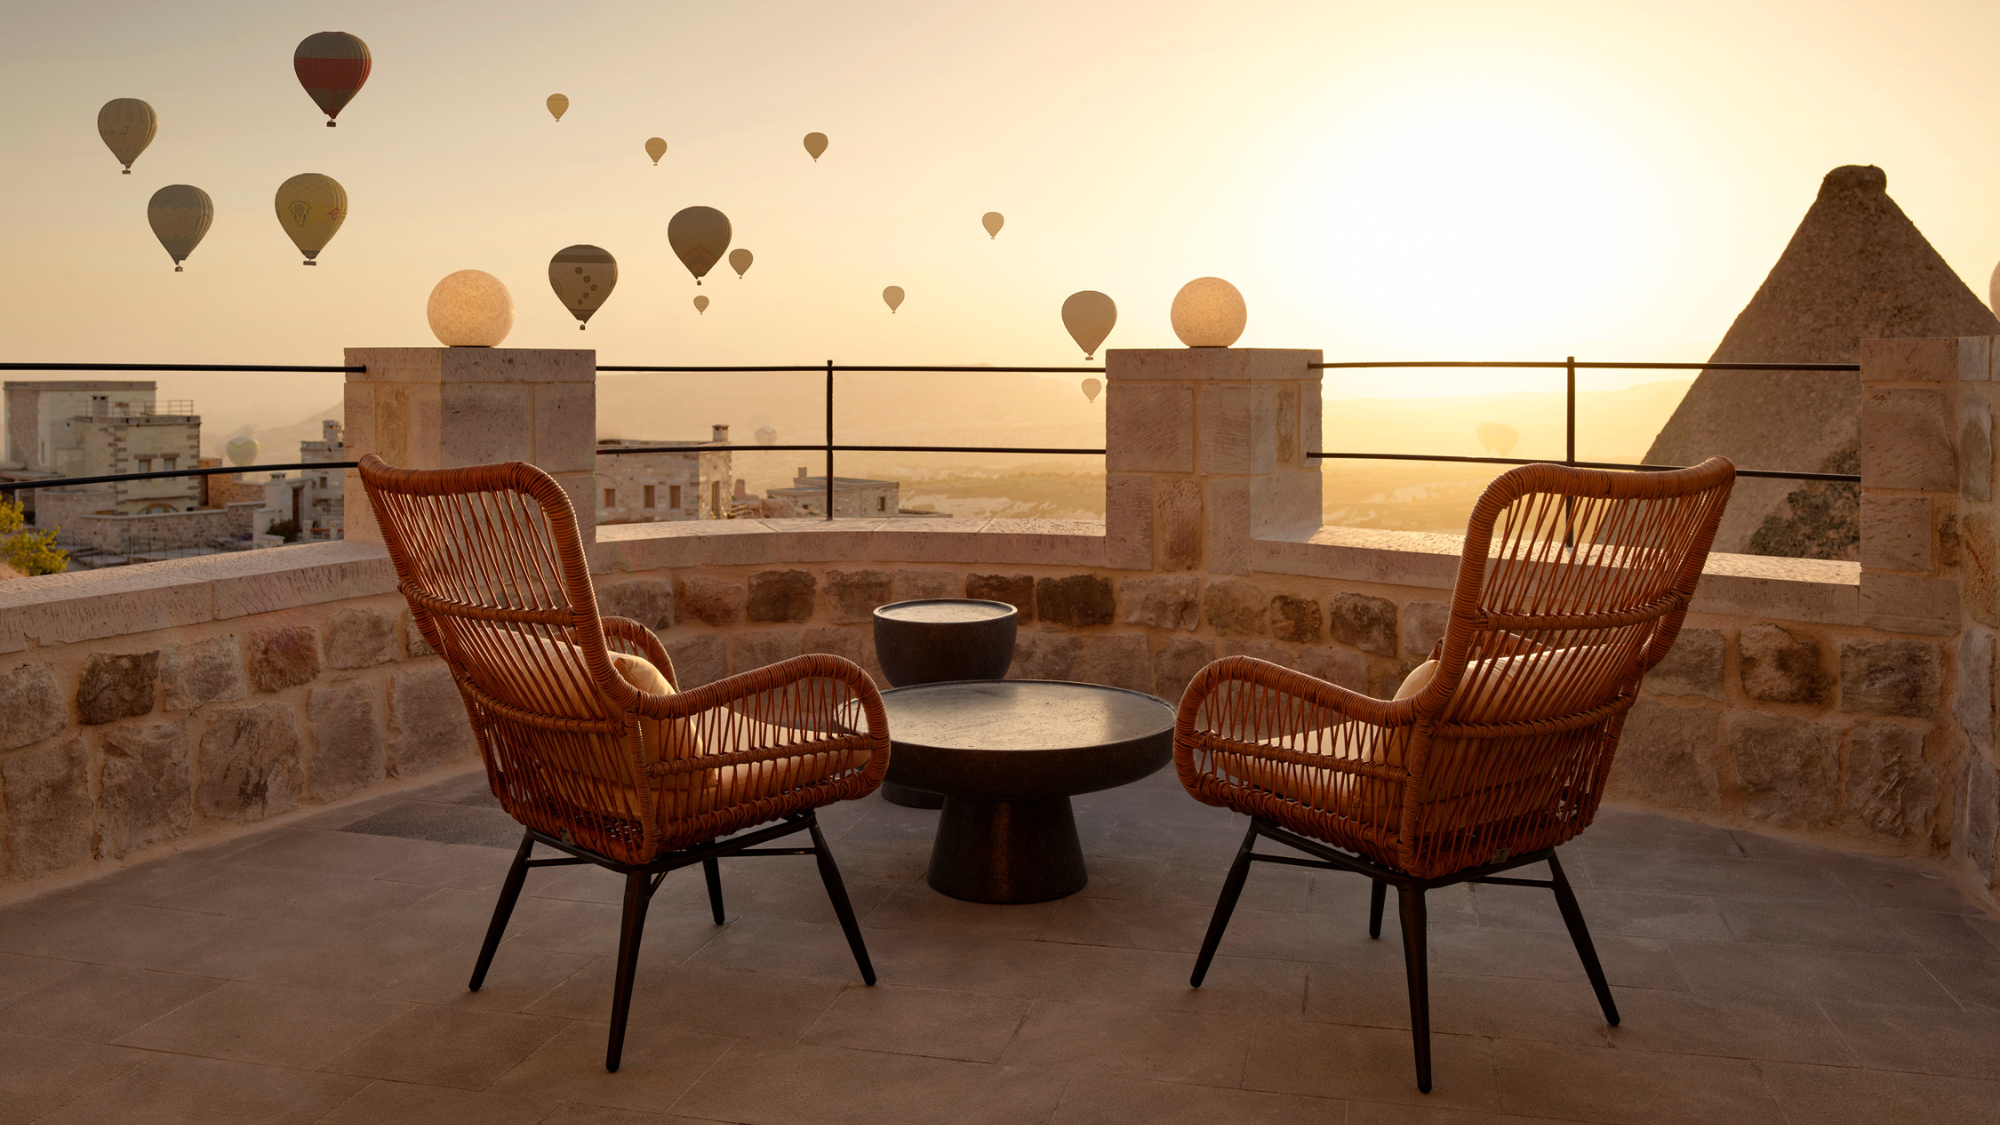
[(1572, 585), (494, 570)]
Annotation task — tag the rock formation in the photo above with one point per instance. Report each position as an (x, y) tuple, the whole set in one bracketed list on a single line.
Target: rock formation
[(1857, 268)]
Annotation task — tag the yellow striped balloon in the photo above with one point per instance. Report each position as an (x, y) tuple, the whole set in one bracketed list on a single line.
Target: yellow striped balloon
[(127, 126), (311, 208)]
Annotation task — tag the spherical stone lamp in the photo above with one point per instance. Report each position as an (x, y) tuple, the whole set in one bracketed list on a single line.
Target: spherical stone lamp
[(1208, 313), (471, 309)]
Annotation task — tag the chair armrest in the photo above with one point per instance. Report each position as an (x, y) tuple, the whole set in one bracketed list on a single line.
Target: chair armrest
[(624, 635), (1253, 709), (812, 704)]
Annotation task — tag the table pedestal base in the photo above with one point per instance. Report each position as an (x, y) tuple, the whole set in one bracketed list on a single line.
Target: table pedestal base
[(1007, 851), (910, 798)]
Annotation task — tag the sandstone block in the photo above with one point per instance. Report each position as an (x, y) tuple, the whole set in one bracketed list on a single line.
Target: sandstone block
[(1790, 770), (1226, 436), (285, 657), (250, 763), (1891, 677), (1228, 506), (1236, 608), (1341, 667), (1176, 663), (1692, 667), (753, 649), (1164, 602), (1076, 601), (1982, 814), (1269, 651), (699, 658), (347, 739), (1047, 656), (1891, 791), (850, 643), (117, 686), (1912, 359), (48, 808), (146, 795), (648, 601), (413, 636), (1368, 624), (360, 638), (1975, 447), (31, 706), (1780, 667), (1907, 440), (1979, 555), (710, 601), (427, 723), (1666, 757), (1128, 521), (1972, 700), (781, 595), (1909, 603), (1149, 429), (1424, 624), (199, 672), (1017, 590), (1119, 660), (852, 595), (1296, 619), (1177, 511), (912, 585), (1975, 358), (1895, 532)]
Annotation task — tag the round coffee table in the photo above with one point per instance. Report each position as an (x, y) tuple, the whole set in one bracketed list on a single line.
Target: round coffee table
[(934, 640), (1008, 755)]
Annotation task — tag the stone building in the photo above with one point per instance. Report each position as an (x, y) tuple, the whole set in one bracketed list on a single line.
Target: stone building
[(85, 428), (853, 497), (657, 486), (315, 500)]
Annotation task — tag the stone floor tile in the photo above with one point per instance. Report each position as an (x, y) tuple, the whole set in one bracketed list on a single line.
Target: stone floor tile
[(1630, 830), (773, 945), (405, 1103), (591, 928), (268, 1024), (100, 1003), (658, 1065), (321, 852), (1180, 926), (20, 975), (1123, 877), (441, 823), (915, 906), (465, 866), (894, 861), (1925, 1040), (1786, 1028), (1270, 886), (1783, 970), (782, 887), (587, 882), (697, 997), (1718, 876), (306, 954), (920, 1021), (341, 816), (262, 892), (1611, 913), (1504, 1007), (1974, 984), (1825, 1095), (1897, 884), (1385, 1113), (177, 1089), (147, 882), (1623, 1087), (1989, 928), (1203, 1048), (783, 1083), (513, 983), (459, 914), (1857, 929), (447, 1046), (1324, 1060), (577, 1113), (107, 933), (1110, 1099), (42, 1075), (1484, 951)]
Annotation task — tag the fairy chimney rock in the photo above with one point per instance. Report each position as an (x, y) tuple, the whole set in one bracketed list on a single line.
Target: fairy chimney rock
[(1857, 268)]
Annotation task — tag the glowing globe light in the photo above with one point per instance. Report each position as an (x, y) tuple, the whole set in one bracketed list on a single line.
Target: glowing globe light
[(471, 309), (1208, 312)]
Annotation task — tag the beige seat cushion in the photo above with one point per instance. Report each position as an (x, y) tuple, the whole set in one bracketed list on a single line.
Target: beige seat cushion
[(1489, 691)]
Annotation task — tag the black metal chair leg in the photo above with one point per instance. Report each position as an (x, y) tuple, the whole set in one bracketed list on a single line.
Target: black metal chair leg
[(836, 890), (638, 893), (1580, 934), (1225, 905), (510, 893), (1410, 904), (712, 872), (1376, 895)]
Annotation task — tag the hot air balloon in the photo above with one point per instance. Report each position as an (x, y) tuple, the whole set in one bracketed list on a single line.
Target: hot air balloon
[(558, 105), (582, 277), (180, 214), (815, 144), (655, 148), (1497, 437), (739, 260), (311, 208), (1089, 316), (766, 435), (893, 297), (700, 303), (331, 65), (1091, 389), (127, 126), (241, 451), (993, 221), (699, 235)]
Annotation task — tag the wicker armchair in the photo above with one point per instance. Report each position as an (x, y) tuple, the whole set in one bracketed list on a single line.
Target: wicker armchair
[(1573, 583), (586, 739)]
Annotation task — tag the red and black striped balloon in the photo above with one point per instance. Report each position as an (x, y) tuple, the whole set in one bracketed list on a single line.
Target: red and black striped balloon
[(332, 65)]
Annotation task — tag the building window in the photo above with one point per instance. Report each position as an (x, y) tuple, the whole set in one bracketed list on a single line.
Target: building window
[(674, 496), (715, 498), (145, 464), (648, 502), (322, 480), (611, 498), (170, 463), (881, 503)]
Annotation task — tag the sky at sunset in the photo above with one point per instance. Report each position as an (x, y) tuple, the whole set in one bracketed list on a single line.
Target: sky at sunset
[(1450, 180)]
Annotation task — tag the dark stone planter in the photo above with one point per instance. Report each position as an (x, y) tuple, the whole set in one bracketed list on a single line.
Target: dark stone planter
[(939, 641)]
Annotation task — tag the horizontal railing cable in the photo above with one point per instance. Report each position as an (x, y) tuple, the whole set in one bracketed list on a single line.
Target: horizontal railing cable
[(168, 474), (249, 367)]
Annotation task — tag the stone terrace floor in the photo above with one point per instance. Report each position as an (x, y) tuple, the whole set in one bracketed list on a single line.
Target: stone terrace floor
[(317, 973)]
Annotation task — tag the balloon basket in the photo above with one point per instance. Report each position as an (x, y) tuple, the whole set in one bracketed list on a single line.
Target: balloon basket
[(329, 124), (309, 262), (177, 269), (127, 172)]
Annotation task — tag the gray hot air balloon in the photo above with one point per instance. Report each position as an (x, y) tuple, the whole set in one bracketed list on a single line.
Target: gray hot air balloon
[(993, 221), (700, 303), (127, 126), (766, 435), (1091, 389), (739, 260), (1089, 316), (893, 297), (582, 277), (699, 236), (180, 214), (815, 145), (1497, 437)]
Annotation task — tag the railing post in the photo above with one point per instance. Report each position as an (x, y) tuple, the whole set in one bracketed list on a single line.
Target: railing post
[(1569, 418), (829, 439)]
